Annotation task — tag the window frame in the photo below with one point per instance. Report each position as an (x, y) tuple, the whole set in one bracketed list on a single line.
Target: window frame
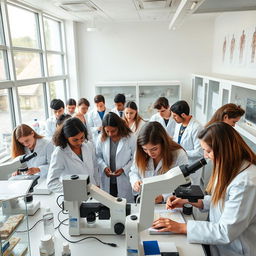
[(12, 83)]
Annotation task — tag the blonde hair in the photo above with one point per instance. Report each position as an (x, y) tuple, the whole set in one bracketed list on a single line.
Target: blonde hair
[(22, 130)]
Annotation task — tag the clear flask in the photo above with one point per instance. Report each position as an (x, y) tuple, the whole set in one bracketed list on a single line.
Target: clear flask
[(48, 220)]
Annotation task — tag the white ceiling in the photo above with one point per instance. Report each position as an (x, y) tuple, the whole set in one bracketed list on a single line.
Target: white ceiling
[(136, 10)]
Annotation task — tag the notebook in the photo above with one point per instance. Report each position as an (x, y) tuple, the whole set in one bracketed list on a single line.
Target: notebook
[(171, 214)]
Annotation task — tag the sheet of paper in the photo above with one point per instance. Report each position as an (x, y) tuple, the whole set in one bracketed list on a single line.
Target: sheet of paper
[(174, 215)]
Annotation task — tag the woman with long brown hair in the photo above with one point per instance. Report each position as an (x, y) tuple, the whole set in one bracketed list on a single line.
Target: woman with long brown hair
[(25, 141), (132, 117), (156, 154), (231, 229), (229, 113), (115, 150)]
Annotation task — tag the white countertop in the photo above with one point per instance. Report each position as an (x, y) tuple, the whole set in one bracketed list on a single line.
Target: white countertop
[(91, 246)]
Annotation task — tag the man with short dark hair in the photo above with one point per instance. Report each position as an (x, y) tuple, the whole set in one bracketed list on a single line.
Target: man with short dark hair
[(186, 134), (71, 106), (164, 115), (96, 116), (58, 107), (119, 104)]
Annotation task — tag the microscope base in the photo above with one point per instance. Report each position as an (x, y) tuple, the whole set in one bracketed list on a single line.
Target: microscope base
[(32, 207)]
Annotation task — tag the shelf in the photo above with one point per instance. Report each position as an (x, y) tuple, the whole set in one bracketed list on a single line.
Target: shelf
[(246, 131), (216, 90)]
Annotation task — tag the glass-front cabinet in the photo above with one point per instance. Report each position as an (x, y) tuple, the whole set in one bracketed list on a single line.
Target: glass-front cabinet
[(109, 90), (144, 93), (210, 93)]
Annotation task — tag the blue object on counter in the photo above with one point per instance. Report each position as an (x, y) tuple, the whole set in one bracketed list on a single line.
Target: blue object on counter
[(151, 247)]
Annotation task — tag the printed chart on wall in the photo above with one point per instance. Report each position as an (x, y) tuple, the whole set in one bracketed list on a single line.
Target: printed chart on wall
[(238, 48)]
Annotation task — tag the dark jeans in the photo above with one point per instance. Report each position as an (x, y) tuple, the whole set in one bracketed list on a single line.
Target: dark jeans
[(113, 189)]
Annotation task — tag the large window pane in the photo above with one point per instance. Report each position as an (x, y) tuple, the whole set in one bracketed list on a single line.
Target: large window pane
[(6, 124), (57, 90), (3, 73), (24, 27), (54, 64), (52, 34), (31, 100), (2, 41), (27, 65)]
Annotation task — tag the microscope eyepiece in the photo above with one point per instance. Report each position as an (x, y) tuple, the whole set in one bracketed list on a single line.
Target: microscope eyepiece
[(26, 158), (189, 169)]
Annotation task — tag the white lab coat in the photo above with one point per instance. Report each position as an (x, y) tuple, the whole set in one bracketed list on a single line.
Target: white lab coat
[(66, 162), (94, 121), (180, 158), (190, 142), (231, 230), (114, 110), (170, 126), (133, 127), (50, 126), (44, 149), (124, 159)]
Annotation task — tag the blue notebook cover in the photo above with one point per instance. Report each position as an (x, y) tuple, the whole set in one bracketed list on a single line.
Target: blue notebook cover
[(151, 248)]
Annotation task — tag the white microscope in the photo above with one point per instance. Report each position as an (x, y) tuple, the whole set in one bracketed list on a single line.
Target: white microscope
[(107, 216), (6, 169), (152, 187)]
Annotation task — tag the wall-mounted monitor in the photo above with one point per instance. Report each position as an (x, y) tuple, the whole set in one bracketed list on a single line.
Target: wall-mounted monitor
[(250, 111)]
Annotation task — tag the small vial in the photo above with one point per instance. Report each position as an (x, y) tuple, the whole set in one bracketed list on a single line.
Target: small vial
[(47, 246), (48, 221), (66, 251)]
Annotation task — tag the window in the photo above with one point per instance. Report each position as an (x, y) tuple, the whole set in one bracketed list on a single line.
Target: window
[(24, 27), (55, 64), (52, 35), (32, 69), (57, 90), (3, 66), (6, 123), (27, 65), (31, 100)]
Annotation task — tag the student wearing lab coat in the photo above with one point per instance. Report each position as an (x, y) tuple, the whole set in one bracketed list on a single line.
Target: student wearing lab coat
[(71, 106), (164, 115), (186, 134), (119, 101), (25, 141), (83, 106), (96, 116), (231, 229), (229, 113), (115, 151), (58, 108), (132, 117), (156, 154), (73, 154)]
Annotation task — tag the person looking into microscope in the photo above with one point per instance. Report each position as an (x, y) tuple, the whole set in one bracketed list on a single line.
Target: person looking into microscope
[(73, 154), (156, 154), (25, 141), (231, 229)]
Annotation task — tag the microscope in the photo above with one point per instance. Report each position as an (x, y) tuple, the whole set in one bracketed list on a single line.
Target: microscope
[(19, 164), (151, 187), (106, 216)]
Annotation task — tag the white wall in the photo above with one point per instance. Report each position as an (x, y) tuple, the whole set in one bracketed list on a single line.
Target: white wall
[(144, 51), (227, 25)]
